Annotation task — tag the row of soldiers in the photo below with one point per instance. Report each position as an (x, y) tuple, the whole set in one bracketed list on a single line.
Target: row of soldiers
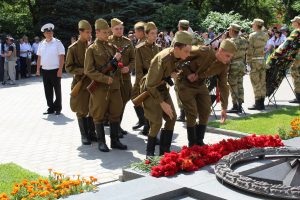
[(186, 62)]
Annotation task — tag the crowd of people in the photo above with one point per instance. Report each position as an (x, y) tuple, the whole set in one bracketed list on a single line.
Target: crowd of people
[(17, 57), (102, 70)]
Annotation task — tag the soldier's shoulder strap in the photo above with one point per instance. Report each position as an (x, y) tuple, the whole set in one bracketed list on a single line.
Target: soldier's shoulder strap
[(73, 45), (126, 38), (140, 45)]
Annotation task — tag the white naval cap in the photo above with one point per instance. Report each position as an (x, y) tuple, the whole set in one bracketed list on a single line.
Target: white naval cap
[(47, 27)]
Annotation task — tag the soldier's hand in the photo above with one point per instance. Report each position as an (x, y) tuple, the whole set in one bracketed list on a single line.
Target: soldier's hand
[(193, 77), (223, 116), (109, 81), (37, 73), (124, 70), (167, 109), (174, 75), (118, 56)]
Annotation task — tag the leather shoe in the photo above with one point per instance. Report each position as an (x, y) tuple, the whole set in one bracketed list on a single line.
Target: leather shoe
[(48, 112), (57, 112)]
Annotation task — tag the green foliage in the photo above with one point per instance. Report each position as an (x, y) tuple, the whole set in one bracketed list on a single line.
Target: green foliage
[(146, 165), (11, 173), (221, 21), (167, 16), (20, 17), (15, 18), (296, 6)]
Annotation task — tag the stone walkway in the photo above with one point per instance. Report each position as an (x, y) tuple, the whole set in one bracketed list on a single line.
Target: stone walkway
[(38, 142)]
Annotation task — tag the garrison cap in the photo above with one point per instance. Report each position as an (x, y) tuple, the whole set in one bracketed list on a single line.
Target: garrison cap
[(228, 46), (47, 27), (235, 27), (296, 19), (185, 24), (183, 37), (150, 26), (115, 22), (84, 24), (258, 22), (139, 25), (101, 24)]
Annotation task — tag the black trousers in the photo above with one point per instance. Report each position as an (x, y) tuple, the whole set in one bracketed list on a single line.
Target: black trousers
[(52, 83), (23, 62)]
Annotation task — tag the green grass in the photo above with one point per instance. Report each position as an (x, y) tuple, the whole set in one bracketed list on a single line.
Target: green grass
[(263, 123), (11, 173)]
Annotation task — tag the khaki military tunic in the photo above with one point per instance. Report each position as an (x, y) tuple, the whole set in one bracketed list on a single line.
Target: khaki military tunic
[(255, 57), (128, 60), (237, 70), (295, 72), (74, 65), (106, 98), (194, 95), (144, 53), (162, 65)]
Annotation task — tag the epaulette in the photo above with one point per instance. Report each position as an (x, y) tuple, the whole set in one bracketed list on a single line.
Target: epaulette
[(91, 43), (71, 45), (166, 55), (140, 45), (126, 38)]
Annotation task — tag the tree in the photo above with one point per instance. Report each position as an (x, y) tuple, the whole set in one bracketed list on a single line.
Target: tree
[(221, 21), (15, 18), (167, 17)]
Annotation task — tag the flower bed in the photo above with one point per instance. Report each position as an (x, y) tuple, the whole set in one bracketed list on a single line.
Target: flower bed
[(293, 131), (193, 158), (55, 186)]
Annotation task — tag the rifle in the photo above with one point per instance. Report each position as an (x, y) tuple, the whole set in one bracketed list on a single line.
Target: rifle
[(112, 65), (143, 96), (77, 87)]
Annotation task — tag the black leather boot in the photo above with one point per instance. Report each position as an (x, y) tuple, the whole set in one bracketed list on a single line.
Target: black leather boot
[(234, 109), (123, 132), (101, 138), (240, 107), (256, 106), (297, 100), (83, 127), (146, 128), (191, 135), (150, 146), (140, 114), (262, 103), (91, 129), (200, 133), (165, 141), (181, 117), (115, 142)]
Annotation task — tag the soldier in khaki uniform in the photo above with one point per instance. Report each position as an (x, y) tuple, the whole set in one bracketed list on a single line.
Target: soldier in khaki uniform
[(295, 68), (144, 53), (193, 92), (120, 41), (74, 65), (255, 58), (159, 104), (237, 69), (183, 25), (106, 99), (139, 32)]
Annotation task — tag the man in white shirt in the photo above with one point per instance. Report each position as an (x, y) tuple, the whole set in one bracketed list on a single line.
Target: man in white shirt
[(25, 57), (51, 57), (35, 47)]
